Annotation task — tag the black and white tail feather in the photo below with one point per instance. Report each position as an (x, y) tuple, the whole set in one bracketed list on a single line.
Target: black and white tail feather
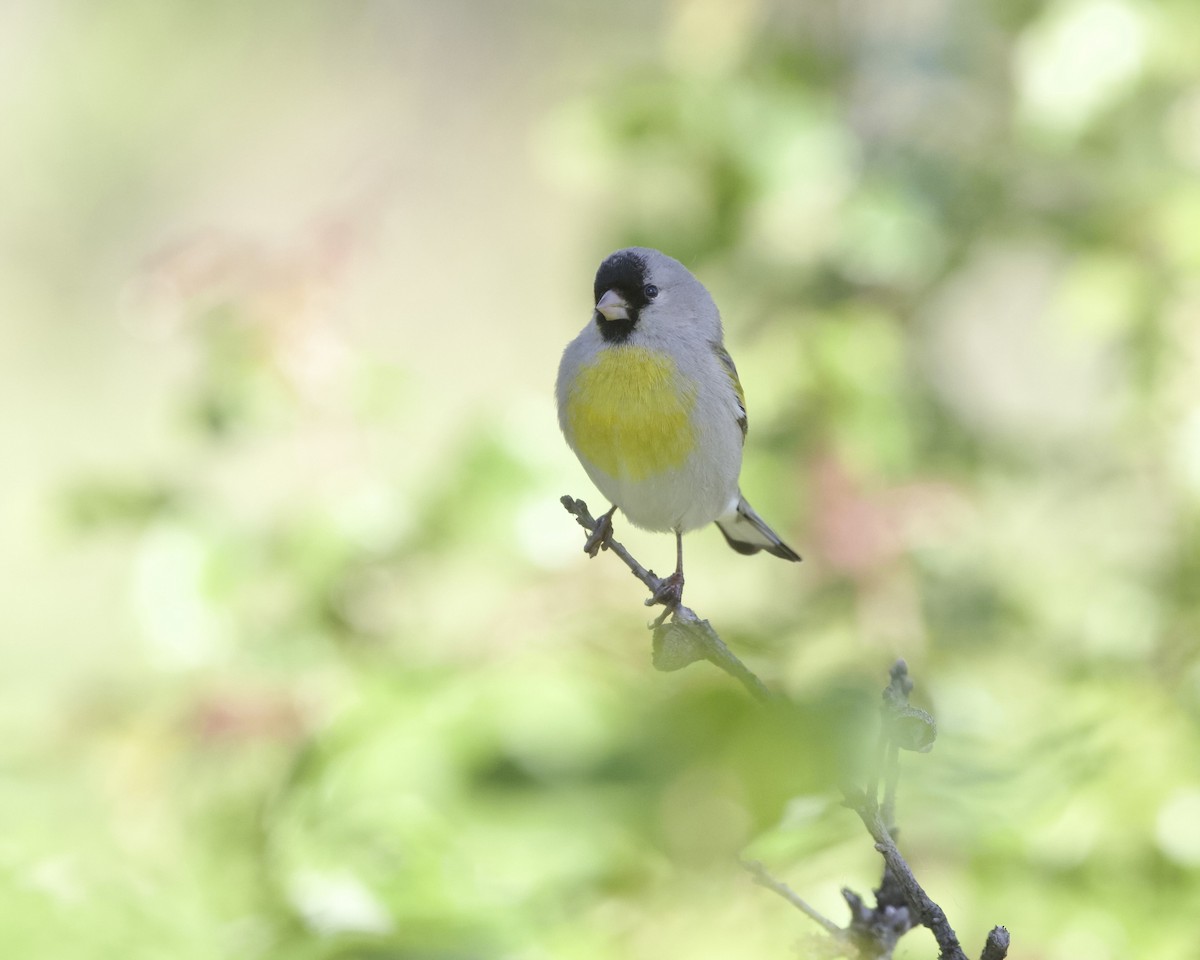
[(746, 532)]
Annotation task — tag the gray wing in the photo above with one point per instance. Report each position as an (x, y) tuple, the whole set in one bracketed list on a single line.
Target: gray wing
[(727, 362)]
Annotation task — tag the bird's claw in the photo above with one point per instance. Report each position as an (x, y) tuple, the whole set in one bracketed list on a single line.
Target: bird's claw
[(600, 536), (669, 592)]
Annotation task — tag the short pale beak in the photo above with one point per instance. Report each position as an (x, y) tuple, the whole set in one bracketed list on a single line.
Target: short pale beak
[(612, 306)]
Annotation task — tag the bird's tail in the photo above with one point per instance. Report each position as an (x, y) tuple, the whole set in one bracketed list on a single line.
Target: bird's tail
[(747, 533)]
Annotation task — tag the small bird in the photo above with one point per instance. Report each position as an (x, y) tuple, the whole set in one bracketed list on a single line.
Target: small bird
[(650, 401)]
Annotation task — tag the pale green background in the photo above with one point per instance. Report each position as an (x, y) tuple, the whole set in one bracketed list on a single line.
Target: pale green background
[(300, 655)]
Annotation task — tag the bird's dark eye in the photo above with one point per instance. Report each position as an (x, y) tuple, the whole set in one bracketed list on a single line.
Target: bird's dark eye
[(650, 291)]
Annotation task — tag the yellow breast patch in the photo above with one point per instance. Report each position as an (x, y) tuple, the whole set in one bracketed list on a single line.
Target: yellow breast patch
[(630, 413)]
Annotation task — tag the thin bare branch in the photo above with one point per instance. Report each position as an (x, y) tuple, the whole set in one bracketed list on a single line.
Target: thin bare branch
[(579, 510), (683, 638), (763, 878), (928, 913)]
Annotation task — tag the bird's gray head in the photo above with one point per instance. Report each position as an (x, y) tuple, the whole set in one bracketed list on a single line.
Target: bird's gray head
[(644, 291)]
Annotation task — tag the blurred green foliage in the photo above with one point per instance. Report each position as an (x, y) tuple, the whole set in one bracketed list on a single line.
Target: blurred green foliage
[(956, 247)]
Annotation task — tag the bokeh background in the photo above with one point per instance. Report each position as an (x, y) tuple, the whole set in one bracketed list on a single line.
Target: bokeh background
[(300, 654)]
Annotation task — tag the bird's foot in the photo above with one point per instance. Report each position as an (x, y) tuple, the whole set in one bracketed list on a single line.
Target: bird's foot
[(669, 592), (600, 536)]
